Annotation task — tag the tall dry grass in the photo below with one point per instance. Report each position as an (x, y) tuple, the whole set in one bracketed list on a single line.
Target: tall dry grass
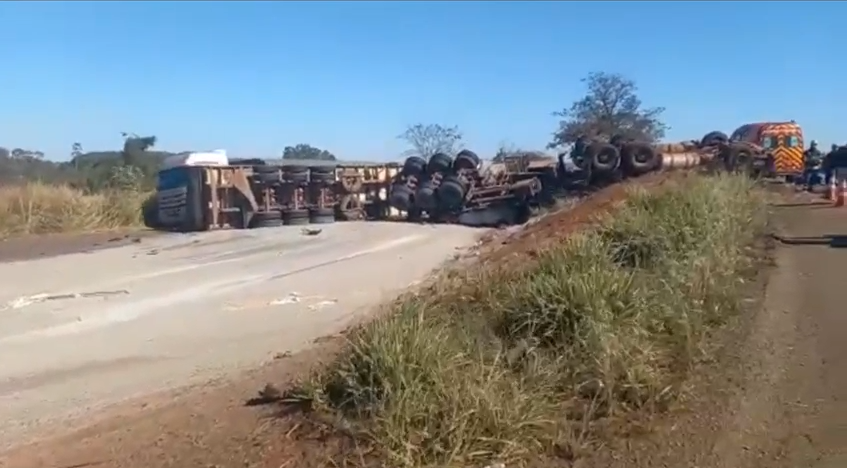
[(37, 208), (512, 365)]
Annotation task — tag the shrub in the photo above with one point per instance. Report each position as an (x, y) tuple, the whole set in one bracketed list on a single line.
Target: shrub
[(36, 208)]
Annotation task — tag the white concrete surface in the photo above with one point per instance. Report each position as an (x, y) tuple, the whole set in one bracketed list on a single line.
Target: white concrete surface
[(181, 309)]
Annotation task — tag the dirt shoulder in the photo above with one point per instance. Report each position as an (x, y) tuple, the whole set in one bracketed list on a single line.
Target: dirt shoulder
[(53, 245), (775, 395)]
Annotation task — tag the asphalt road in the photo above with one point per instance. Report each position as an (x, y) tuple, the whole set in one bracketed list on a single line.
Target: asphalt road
[(81, 331)]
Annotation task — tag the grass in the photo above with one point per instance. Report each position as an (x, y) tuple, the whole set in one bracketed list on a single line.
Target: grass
[(36, 208), (524, 364)]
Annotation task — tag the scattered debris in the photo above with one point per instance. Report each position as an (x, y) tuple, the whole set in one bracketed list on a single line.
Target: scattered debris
[(291, 298), (38, 298), (322, 304), (311, 231), (269, 394)]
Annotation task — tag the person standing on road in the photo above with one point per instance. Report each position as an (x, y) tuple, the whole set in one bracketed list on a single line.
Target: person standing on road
[(812, 161), (833, 161)]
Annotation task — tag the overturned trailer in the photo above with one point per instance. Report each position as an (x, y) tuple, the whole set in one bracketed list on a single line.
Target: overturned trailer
[(207, 191), (251, 193)]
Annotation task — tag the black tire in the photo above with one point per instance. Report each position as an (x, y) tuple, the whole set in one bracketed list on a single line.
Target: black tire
[(604, 157), (322, 215), (451, 193), (401, 197), (295, 168), (322, 170), (714, 138), (295, 217), (466, 159), (738, 159), (426, 197), (265, 219), (296, 177), (247, 162), (439, 162), (266, 178), (265, 169), (322, 177), (639, 158), (414, 166)]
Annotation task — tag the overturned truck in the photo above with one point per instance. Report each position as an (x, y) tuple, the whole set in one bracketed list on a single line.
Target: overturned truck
[(253, 193), (465, 190)]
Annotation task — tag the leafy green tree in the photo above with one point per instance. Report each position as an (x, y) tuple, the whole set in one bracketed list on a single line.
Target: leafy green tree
[(610, 107), (304, 151)]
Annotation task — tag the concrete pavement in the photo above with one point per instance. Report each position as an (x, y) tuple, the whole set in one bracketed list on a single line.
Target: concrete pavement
[(81, 331)]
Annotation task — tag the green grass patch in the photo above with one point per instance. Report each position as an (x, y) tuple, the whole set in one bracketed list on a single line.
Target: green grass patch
[(512, 365)]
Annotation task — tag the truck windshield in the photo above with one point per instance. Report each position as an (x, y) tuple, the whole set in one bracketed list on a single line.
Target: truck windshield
[(792, 141), (768, 142)]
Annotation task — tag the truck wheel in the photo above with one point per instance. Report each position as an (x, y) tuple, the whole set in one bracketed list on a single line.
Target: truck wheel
[(265, 219), (639, 158), (295, 217), (414, 166), (439, 162), (295, 174), (451, 193), (401, 197), (466, 159), (322, 174), (714, 138), (603, 156), (425, 197), (322, 215)]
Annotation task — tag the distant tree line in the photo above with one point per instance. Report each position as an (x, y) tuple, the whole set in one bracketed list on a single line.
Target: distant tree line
[(611, 106)]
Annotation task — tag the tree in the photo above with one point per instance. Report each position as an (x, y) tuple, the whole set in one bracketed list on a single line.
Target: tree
[(20, 153), (304, 151), (134, 148), (611, 107), (426, 140), (76, 150)]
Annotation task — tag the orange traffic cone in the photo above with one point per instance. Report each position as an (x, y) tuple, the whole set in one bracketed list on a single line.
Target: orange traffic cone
[(842, 192)]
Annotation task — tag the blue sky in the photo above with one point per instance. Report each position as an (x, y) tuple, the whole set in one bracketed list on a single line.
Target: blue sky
[(253, 77)]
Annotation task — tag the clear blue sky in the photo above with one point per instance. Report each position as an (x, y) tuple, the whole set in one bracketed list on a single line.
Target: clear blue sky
[(253, 77)]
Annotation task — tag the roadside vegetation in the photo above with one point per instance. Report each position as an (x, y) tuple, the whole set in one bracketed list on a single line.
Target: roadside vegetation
[(517, 364), (37, 208)]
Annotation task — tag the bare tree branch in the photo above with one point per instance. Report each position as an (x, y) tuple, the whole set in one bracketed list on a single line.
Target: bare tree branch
[(426, 140)]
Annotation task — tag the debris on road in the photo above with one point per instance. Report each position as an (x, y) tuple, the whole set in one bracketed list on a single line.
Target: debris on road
[(291, 298), (322, 304), (39, 298)]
